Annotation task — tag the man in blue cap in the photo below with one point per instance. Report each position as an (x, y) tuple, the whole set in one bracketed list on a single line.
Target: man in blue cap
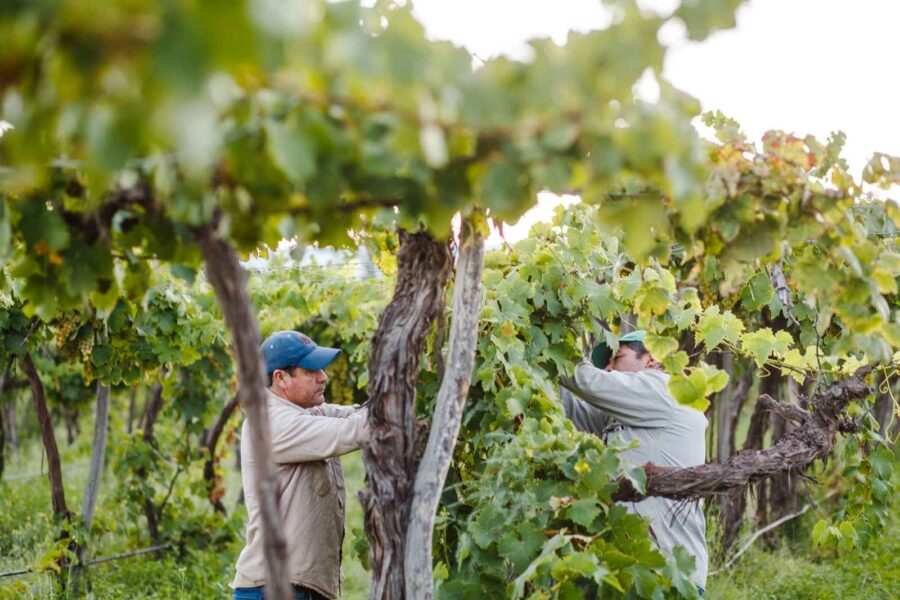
[(622, 394), (308, 436)]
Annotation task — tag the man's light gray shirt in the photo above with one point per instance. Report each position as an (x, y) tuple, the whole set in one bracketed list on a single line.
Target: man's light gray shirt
[(637, 406)]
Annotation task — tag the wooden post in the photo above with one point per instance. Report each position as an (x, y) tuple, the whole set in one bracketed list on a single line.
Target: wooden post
[(101, 426)]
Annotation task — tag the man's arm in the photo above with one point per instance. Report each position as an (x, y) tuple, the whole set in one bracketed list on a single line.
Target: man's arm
[(298, 437), (585, 416), (340, 411), (639, 399)]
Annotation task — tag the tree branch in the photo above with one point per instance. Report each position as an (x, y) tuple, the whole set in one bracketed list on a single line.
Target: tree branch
[(794, 452)]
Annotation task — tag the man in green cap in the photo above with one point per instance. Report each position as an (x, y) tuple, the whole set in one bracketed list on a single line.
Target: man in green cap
[(622, 394)]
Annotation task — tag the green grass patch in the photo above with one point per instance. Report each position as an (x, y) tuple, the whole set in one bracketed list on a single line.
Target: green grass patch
[(796, 571)]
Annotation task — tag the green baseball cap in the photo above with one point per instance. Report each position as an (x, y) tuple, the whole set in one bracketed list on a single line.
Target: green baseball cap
[(603, 353)]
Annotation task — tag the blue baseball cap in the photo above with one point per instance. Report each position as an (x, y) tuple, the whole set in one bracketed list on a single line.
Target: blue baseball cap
[(602, 352), (287, 349)]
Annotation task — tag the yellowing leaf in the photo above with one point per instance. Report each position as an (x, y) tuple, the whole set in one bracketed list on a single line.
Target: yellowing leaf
[(690, 390), (507, 329), (761, 344), (850, 365), (820, 532), (716, 327), (799, 362), (676, 363), (660, 346), (652, 300), (891, 332), (716, 379)]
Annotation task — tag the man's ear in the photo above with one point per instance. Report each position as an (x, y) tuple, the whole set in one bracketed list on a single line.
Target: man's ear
[(651, 363)]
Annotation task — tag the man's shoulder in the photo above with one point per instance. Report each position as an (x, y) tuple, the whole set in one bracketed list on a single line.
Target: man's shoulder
[(660, 380), (655, 373), (656, 379)]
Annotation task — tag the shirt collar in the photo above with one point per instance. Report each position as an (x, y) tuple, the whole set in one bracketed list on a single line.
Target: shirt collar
[(273, 397)]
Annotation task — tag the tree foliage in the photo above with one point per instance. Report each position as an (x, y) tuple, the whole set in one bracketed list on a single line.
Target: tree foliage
[(141, 126)]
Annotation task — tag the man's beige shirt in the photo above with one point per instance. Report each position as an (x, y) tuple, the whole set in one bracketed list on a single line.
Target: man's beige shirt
[(306, 444)]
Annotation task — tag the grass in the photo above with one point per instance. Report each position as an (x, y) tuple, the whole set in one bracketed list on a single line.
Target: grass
[(797, 572), (789, 574), (793, 572), (27, 532), (355, 579)]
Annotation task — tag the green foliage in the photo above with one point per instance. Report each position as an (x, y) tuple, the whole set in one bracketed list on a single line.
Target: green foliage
[(330, 305), (692, 388), (799, 571), (322, 120), (138, 123), (715, 327), (761, 344), (544, 520)]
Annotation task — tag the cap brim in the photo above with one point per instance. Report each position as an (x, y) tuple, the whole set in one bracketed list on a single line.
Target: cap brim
[(601, 355), (319, 358)]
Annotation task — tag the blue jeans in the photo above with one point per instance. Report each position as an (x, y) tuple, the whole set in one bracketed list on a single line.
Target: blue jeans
[(256, 593)]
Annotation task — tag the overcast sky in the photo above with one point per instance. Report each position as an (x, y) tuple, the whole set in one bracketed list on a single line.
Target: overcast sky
[(805, 66)]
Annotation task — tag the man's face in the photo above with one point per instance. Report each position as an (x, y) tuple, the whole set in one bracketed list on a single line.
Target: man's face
[(626, 359), (300, 386)]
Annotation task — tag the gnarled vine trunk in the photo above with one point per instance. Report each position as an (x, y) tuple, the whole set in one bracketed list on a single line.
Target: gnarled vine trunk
[(771, 386), (728, 408), (884, 409), (151, 413), (448, 410), (735, 504), (812, 438), (213, 483), (783, 493), (132, 403), (423, 270), (733, 398), (229, 280), (4, 377), (54, 468)]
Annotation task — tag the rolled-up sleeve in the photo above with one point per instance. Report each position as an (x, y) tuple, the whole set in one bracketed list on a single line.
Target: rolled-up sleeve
[(637, 399), (302, 437), (585, 416), (340, 411)]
